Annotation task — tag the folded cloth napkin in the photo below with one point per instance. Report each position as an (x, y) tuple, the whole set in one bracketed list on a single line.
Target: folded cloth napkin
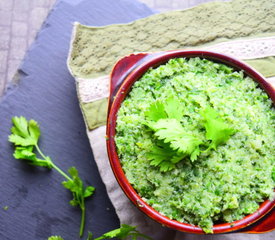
[(244, 29)]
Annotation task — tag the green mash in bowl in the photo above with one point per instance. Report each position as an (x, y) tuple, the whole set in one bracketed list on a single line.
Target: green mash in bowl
[(196, 140)]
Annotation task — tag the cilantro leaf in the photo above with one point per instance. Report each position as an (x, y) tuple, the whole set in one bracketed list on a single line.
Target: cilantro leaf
[(75, 185), (195, 154), (24, 133), (172, 132), (164, 157), (25, 136), (55, 238), (27, 154), (123, 232), (168, 129), (217, 130), (170, 108), (174, 108), (156, 111)]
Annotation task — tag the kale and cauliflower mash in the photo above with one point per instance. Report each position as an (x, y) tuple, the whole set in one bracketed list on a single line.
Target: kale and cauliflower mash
[(196, 140)]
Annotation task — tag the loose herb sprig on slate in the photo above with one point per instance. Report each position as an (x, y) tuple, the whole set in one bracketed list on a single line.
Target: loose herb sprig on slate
[(25, 136), (121, 233)]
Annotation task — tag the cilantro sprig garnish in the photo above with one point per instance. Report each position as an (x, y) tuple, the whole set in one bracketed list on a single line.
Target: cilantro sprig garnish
[(121, 233), (164, 119), (172, 132), (25, 136)]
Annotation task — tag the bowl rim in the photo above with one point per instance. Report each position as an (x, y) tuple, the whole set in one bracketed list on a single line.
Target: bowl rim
[(130, 192)]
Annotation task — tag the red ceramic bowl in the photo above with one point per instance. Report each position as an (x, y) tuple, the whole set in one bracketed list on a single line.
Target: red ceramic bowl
[(124, 74)]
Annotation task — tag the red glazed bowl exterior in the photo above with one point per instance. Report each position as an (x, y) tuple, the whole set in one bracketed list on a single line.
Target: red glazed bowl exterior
[(120, 92)]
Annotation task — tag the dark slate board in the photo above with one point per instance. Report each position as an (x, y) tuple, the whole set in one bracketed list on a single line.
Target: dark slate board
[(37, 203)]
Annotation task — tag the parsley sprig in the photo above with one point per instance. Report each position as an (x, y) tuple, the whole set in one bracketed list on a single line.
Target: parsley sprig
[(25, 136)]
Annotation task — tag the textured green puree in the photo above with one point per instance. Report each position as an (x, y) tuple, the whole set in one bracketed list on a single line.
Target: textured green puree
[(222, 185)]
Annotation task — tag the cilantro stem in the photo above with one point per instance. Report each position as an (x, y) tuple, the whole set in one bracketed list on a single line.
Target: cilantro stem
[(61, 172), (25, 136), (53, 165), (82, 203), (83, 213), (40, 152)]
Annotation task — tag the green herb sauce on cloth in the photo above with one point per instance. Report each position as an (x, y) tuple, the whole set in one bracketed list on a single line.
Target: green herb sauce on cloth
[(221, 185)]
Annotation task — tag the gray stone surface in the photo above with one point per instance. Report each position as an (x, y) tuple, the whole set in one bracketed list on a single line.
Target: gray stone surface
[(19, 22)]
